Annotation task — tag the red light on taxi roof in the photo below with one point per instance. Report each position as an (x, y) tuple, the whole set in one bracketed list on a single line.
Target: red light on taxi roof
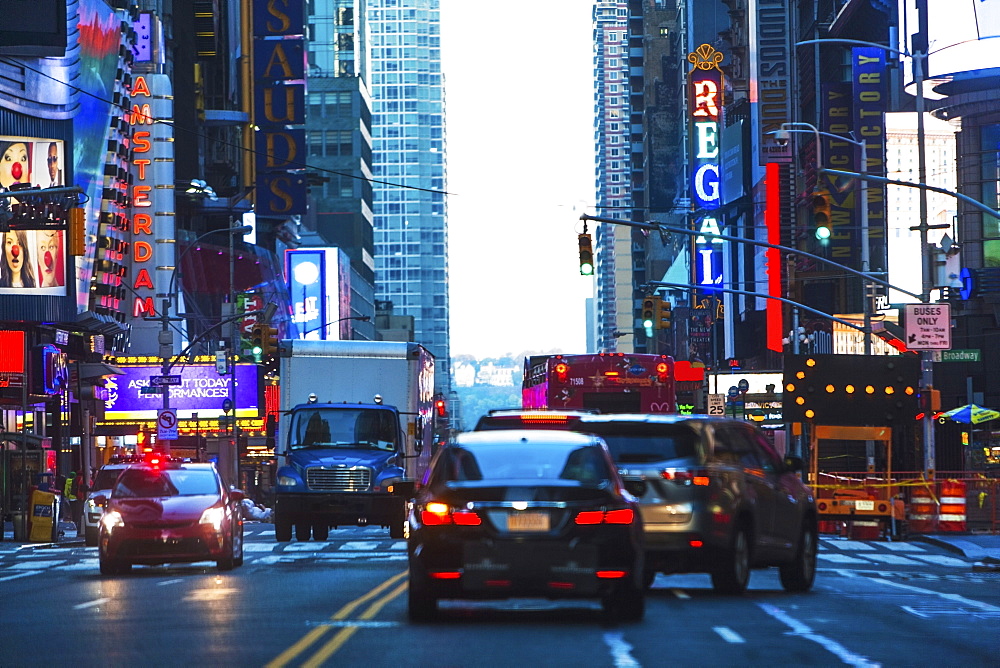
[(611, 373)]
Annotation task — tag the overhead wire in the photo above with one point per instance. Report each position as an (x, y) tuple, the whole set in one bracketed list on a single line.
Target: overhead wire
[(135, 112)]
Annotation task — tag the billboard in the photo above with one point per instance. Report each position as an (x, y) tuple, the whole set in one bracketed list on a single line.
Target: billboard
[(314, 286), (34, 260), (202, 391)]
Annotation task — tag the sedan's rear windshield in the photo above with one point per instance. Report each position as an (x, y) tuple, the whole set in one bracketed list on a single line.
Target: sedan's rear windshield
[(586, 465), (148, 483), (637, 443)]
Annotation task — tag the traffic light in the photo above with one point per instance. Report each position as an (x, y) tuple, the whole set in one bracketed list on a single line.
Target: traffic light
[(821, 216), (257, 335), (664, 314), (586, 255), (269, 335), (650, 313), (850, 390), (441, 407)]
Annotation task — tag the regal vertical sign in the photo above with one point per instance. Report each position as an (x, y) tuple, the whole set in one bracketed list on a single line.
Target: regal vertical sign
[(705, 102), (279, 107)]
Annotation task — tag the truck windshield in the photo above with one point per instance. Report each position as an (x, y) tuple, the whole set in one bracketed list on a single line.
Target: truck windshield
[(364, 428)]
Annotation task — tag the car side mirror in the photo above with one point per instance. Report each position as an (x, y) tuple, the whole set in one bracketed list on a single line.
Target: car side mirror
[(793, 463)]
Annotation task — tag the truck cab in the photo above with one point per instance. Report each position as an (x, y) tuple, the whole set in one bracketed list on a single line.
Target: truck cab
[(344, 464)]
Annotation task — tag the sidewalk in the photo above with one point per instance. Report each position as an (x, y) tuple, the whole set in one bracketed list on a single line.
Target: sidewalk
[(68, 536), (984, 548)]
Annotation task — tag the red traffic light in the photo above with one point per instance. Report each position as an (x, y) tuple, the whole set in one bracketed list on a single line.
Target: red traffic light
[(441, 407)]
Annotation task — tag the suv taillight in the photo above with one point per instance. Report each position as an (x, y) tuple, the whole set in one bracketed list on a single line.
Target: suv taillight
[(617, 516), (686, 477), (437, 514)]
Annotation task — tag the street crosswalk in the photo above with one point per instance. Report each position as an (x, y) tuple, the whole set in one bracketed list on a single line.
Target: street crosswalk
[(368, 544)]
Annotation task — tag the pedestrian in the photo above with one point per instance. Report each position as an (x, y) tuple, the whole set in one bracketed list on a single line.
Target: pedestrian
[(74, 489)]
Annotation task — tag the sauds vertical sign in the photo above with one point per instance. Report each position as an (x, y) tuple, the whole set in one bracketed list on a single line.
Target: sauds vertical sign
[(279, 104)]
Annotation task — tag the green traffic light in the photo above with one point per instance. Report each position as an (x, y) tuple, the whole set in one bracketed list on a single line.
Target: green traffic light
[(648, 324), (822, 233), (257, 350), (586, 269)]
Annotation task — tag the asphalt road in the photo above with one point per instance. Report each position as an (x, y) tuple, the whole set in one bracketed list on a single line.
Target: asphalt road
[(343, 603)]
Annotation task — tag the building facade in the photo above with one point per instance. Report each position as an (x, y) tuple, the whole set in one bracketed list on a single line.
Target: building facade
[(410, 168)]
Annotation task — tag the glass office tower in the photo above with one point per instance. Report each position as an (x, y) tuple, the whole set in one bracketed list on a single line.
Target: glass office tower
[(410, 170)]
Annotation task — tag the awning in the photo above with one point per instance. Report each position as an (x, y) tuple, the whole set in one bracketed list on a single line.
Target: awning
[(98, 369)]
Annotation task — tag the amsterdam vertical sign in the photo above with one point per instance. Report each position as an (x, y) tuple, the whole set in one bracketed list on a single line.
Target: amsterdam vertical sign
[(279, 105)]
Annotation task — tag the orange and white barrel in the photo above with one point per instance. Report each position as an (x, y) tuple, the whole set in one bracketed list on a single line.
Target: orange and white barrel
[(952, 517), (923, 514)]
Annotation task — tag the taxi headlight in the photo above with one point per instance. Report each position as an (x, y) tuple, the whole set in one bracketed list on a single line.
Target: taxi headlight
[(112, 520), (213, 516)]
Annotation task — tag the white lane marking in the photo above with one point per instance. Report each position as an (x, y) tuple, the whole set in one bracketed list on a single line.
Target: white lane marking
[(680, 593), (36, 565), (359, 545), (891, 559), (951, 597), (902, 547), (941, 560), (841, 558), (91, 604), (851, 546), (304, 547), (728, 634), (621, 651), (169, 582), (832, 646), (82, 565), (259, 547), (398, 545), (19, 575)]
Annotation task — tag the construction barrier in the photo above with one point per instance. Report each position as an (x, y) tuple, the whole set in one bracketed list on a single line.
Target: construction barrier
[(922, 516), (951, 516)]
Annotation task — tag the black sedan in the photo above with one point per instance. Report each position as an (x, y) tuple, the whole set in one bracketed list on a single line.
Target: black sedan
[(525, 514)]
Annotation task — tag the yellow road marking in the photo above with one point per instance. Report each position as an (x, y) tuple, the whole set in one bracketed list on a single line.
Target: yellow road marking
[(344, 634), (315, 634)]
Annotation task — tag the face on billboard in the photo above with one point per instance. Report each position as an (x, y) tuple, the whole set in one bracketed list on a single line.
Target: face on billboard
[(14, 164)]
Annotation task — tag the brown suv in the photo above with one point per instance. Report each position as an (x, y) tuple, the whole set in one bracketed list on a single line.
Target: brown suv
[(714, 495)]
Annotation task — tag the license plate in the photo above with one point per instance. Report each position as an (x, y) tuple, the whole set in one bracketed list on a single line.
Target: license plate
[(528, 522), (864, 505)]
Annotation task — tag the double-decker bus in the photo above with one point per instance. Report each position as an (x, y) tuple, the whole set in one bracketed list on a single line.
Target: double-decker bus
[(606, 382)]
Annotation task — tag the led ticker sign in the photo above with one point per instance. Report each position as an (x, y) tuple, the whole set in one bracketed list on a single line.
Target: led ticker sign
[(202, 391)]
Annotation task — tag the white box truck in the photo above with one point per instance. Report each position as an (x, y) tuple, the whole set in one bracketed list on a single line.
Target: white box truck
[(354, 436)]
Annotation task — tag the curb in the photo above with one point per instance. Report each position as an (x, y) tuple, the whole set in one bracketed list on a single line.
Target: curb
[(957, 545)]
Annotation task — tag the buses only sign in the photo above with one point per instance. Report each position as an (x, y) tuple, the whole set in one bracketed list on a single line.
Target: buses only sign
[(928, 326)]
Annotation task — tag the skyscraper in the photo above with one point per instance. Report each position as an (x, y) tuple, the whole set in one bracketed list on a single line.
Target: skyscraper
[(410, 170), (615, 303)]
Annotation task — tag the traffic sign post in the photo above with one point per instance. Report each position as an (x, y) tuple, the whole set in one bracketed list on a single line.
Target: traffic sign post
[(166, 424), (928, 326), (717, 404), (161, 381)]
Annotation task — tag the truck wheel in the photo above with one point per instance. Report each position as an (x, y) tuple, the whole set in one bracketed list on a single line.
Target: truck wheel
[(321, 532), (282, 528), (302, 531)]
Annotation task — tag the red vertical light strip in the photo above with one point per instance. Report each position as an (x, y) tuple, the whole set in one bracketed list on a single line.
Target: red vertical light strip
[(11, 351), (772, 220)]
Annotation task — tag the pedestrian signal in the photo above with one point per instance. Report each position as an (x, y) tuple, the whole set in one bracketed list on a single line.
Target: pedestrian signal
[(586, 255)]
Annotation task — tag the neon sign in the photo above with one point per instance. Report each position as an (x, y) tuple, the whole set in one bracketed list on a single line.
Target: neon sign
[(705, 89)]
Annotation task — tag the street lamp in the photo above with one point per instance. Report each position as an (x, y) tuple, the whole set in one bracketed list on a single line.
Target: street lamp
[(782, 136)]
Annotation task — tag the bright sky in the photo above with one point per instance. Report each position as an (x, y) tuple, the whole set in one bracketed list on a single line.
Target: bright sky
[(519, 94)]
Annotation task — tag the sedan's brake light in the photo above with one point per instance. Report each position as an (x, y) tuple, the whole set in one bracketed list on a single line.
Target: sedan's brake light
[(438, 514), (618, 516), (685, 477)]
